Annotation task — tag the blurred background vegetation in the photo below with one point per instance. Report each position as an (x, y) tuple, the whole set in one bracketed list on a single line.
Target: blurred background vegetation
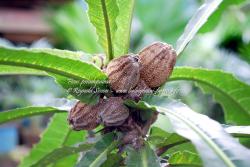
[(223, 43)]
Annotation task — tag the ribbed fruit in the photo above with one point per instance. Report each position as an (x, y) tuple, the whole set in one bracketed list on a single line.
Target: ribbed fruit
[(123, 73), (83, 116), (156, 62), (113, 112)]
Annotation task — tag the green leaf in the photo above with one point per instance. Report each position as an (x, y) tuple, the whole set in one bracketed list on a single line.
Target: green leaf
[(216, 16), (64, 66), (11, 70), (75, 137), (98, 155), (50, 61), (53, 138), (124, 20), (165, 141), (185, 159), (113, 160), (195, 23), (103, 14), (79, 89), (231, 93), (60, 153), (161, 138), (181, 147), (215, 146), (144, 157), (245, 52), (72, 25), (73, 87), (26, 112)]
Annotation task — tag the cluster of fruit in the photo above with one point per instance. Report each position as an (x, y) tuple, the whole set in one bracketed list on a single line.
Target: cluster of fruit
[(130, 76)]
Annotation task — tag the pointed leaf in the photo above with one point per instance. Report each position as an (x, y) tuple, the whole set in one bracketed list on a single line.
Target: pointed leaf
[(50, 61), (144, 157), (196, 22), (18, 113), (103, 14), (231, 93), (66, 67)]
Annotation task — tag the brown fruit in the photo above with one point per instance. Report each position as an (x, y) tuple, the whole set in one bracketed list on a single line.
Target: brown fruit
[(123, 73), (113, 112), (140, 89), (157, 62), (83, 116)]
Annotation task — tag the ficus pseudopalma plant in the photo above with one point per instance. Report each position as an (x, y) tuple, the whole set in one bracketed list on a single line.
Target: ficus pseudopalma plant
[(154, 124)]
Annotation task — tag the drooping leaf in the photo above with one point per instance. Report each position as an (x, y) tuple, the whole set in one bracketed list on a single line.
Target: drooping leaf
[(11, 70), (232, 94), (77, 88), (50, 61), (54, 137), (98, 154), (123, 21), (215, 146), (66, 67), (144, 157), (185, 159), (195, 23), (103, 14), (214, 19), (26, 112)]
